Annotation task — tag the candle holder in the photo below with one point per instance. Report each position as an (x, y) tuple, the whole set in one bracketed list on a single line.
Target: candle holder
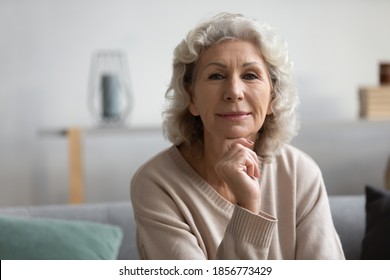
[(110, 98)]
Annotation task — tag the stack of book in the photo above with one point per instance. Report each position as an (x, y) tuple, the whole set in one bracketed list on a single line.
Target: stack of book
[(375, 102)]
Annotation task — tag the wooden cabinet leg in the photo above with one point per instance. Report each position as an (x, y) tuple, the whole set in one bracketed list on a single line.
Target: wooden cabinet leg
[(76, 180)]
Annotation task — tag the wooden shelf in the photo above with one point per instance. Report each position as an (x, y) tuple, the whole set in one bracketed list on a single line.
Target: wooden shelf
[(75, 151)]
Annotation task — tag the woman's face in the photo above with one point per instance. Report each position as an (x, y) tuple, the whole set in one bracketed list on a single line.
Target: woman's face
[(232, 91)]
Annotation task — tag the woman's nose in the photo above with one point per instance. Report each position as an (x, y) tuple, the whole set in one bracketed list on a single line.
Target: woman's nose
[(234, 90)]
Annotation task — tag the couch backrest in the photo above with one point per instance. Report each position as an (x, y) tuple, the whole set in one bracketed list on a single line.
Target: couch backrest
[(118, 213), (348, 212)]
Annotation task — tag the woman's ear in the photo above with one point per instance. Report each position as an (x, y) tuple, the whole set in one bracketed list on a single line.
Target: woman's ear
[(269, 109), (271, 105), (193, 110), (192, 107)]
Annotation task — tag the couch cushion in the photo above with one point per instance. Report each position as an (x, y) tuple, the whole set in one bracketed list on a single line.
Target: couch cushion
[(39, 238), (376, 242)]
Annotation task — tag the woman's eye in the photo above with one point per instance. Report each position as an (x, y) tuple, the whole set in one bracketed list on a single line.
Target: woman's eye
[(250, 76), (216, 77)]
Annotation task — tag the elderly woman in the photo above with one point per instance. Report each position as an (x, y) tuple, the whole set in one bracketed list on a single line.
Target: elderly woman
[(230, 186)]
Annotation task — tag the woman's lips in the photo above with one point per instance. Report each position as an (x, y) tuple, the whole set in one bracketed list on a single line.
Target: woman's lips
[(234, 115)]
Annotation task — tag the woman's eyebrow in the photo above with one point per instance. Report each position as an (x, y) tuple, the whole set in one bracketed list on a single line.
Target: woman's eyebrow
[(219, 64), (246, 64), (224, 66)]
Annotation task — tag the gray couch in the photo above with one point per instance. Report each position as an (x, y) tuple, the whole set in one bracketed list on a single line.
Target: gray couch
[(348, 214)]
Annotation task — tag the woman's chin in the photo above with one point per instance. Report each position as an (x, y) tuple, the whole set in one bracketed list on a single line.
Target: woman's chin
[(234, 132), (240, 134)]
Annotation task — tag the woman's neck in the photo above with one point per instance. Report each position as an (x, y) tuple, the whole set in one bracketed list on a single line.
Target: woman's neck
[(204, 164)]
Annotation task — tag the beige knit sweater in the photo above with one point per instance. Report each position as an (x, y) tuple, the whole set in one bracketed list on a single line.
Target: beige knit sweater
[(180, 216)]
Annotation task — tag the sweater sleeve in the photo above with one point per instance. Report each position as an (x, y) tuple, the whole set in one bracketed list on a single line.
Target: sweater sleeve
[(247, 237), (315, 233)]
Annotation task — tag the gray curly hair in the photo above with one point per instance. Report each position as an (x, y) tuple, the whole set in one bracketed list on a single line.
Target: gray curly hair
[(180, 126)]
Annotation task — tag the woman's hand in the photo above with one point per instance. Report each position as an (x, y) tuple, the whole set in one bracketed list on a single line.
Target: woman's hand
[(239, 167)]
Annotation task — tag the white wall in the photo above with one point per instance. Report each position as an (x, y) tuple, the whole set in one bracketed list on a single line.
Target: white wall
[(45, 51)]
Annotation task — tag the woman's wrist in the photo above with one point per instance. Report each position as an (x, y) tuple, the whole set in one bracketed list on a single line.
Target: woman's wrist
[(252, 206)]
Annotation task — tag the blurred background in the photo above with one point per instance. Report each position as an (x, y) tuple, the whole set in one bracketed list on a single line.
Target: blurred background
[(46, 48)]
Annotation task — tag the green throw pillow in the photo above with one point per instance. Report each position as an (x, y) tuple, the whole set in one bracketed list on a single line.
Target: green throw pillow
[(54, 239)]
